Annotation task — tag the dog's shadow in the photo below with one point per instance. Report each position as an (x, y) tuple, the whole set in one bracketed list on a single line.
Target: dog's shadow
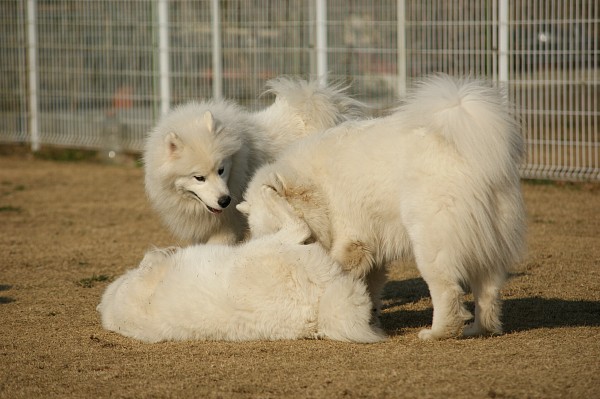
[(518, 314)]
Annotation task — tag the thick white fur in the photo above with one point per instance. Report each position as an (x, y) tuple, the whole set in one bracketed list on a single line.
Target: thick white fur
[(223, 144), (438, 179), (271, 288)]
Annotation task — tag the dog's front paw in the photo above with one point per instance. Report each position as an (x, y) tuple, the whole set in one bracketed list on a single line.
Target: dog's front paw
[(428, 334), (318, 336), (270, 195), (295, 232), (293, 227), (476, 330)]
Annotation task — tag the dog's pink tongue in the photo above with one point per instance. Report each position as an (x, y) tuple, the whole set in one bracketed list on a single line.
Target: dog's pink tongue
[(215, 211)]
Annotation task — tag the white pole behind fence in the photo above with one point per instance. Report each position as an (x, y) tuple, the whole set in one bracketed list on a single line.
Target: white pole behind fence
[(321, 33), (217, 51), (163, 56), (503, 42), (401, 47), (33, 75)]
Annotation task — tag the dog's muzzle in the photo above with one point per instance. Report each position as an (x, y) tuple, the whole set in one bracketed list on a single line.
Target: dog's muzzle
[(223, 202)]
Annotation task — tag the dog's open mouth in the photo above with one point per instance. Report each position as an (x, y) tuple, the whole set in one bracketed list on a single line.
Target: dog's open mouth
[(213, 210), (210, 208)]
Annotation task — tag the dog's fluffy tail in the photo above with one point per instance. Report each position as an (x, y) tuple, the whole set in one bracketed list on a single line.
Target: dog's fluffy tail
[(473, 116), (345, 313), (320, 107)]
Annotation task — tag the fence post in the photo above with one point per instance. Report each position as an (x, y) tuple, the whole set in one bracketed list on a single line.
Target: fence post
[(32, 45), (400, 13), (503, 32), (321, 33), (217, 51), (163, 56)]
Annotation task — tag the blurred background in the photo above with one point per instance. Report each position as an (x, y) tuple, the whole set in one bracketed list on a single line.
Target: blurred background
[(97, 74)]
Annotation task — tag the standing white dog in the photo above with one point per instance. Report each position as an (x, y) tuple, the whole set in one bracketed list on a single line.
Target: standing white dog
[(200, 157), (438, 178), (271, 288)]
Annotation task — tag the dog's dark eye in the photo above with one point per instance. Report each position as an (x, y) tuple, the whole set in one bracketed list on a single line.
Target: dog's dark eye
[(199, 178), (221, 170)]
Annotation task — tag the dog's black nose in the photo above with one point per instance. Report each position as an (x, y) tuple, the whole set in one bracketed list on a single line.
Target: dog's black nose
[(224, 201)]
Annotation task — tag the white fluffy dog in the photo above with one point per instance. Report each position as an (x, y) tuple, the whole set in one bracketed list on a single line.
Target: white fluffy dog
[(200, 157), (438, 178), (274, 287)]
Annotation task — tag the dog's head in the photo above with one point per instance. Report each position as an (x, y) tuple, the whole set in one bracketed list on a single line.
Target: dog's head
[(201, 163)]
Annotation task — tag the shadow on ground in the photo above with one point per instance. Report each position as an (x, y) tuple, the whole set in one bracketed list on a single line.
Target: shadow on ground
[(519, 314)]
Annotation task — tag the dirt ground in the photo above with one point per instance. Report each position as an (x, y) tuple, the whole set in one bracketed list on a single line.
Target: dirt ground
[(67, 228)]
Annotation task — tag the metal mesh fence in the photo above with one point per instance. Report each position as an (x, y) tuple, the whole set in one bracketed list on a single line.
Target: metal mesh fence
[(98, 73)]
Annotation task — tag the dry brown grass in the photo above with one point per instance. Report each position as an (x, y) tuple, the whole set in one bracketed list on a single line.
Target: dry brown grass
[(67, 227)]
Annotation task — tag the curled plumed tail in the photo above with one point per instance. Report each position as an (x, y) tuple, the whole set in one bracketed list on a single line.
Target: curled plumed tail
[(320, 107), (473, 116)]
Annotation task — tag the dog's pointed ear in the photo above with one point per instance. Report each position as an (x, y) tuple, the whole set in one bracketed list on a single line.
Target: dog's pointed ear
[(212, 124), (243, 207), (174, 144)]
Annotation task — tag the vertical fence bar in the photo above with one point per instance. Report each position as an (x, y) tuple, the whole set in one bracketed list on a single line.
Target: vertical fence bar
[(217, 51), (503, 42), (32, 45), (401, 16), (321, 33), (163, 56), (494, 40), (593, 105)]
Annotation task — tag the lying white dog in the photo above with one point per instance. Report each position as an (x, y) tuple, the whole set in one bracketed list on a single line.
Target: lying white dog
[(439, 179), (200, 156), (267, 289)]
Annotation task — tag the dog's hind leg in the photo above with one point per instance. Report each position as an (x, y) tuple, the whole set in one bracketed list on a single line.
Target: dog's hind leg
[(487, 307), (153, 267), (437, 262), (449, 313), (345, 312)]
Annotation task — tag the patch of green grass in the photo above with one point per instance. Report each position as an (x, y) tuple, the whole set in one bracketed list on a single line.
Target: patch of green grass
[(91, 281), (539, 182), (65, 154), (139, 162), (7, 184), (10, 208), (584, 185)]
